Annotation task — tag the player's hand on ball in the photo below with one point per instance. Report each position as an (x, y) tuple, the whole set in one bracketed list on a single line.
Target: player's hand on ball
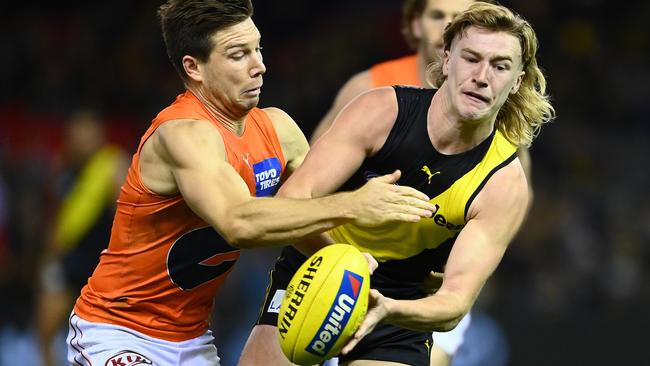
[(377, 311)]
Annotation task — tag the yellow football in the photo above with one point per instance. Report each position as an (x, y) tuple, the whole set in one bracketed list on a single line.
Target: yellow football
[(324, 304)]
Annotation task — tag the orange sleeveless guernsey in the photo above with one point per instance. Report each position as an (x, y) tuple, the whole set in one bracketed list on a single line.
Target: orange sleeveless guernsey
[(401, 71), (164, 264)]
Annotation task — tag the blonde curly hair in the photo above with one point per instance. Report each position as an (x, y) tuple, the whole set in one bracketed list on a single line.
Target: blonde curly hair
[(524, 112)]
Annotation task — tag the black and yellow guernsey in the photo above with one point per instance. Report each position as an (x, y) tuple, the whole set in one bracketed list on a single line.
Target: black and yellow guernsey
[(407, 252)]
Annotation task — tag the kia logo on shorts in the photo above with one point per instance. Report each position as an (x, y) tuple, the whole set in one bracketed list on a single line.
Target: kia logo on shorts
[(128, 358)]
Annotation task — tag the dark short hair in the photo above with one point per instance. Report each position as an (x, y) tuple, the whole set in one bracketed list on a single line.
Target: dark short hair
[(411, 10), (188, 25)]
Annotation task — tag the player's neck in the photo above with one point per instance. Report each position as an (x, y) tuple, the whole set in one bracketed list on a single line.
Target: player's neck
[(450, 134), (232, 119)]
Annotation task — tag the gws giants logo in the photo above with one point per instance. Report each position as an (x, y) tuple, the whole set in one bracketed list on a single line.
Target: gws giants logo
[(338, 315), (128, 358)]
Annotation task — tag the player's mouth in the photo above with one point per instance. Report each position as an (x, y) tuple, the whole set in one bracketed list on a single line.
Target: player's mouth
[(254, 91), (477, 97)]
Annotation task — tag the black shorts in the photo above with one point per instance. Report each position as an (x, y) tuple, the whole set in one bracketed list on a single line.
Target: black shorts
[(285, 266), (385, 343), (391, 343)]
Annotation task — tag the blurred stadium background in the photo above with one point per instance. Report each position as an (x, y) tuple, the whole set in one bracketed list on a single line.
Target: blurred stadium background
[(573, 289)]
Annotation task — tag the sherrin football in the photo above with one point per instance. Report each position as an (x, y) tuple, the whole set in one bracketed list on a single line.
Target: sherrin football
[(324, 304)]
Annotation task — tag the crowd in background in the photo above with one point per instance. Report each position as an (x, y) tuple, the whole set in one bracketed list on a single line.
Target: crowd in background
[(573, 288)]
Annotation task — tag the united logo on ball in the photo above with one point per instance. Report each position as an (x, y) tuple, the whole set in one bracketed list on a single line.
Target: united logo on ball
[(324, 304), (338, 315)]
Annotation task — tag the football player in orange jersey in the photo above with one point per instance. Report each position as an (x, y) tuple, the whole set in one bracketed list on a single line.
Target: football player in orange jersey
[(197, 192)]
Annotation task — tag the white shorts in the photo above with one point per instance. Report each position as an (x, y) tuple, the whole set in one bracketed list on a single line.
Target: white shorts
[(99, 344), (451, 341)]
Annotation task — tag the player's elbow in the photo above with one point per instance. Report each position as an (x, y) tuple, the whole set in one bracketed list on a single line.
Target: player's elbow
[(242, 234), (457, 308), (531, 198), (449, 325)]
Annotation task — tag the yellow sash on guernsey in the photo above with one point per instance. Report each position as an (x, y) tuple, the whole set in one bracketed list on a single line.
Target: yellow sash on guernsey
[(92, 192), (403, 240)]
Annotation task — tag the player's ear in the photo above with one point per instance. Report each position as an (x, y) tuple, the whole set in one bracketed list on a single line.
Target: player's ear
[(445, 63), (192, 68), (517, 84), (416, 28)]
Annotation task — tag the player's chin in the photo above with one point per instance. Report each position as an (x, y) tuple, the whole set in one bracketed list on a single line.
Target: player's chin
[(249, 103), (474, 113)]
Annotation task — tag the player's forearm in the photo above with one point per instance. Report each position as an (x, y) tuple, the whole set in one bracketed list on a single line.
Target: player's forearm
[(266, 222), (440, 312)]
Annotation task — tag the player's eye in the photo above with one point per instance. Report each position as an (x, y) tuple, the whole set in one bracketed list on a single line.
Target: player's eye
[(436, 15), (237, 55)]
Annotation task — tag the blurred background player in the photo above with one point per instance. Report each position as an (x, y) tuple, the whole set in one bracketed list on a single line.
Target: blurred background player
[(86, 184), (423, 22)]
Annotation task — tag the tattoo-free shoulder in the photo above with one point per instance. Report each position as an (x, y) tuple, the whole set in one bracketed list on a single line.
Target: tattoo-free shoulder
[(293, 141), (506, 190)]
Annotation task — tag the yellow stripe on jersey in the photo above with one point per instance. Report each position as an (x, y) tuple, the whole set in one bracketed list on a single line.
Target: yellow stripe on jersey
[(92, 193), (403, 240)]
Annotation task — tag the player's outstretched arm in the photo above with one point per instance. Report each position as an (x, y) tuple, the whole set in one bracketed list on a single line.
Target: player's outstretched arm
[(269, 221), (494, 218), (194, 156)]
